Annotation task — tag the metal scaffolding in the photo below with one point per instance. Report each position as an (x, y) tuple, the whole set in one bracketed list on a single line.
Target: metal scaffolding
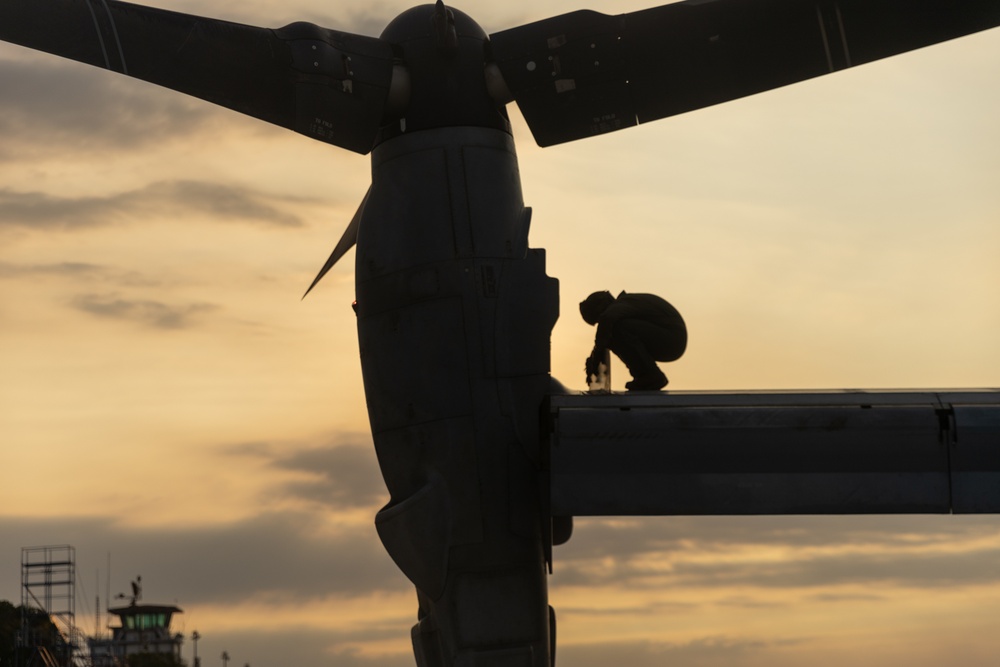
[(48, 583)]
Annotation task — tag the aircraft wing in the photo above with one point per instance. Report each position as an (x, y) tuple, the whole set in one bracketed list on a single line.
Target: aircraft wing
[(801, 452), (328, 85), (584, 73)]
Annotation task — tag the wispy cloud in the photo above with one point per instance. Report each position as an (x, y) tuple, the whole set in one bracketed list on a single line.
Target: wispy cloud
[(307, 647), (341, 475), (177, 199), (75, 270), (77, 273), (779, 552), (55, 106), (282, 557), (344, 476), (151, 313), (704, 652)]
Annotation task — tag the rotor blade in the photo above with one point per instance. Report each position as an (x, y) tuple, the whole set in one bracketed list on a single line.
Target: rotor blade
[(346, 242), (585, 73), (325, 84)]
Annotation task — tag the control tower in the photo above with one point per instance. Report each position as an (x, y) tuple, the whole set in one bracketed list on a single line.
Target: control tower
[(142, 628)]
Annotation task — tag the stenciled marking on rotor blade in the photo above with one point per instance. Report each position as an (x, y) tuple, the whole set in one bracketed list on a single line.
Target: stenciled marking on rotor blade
[(822, 32), (843, 36), (114, 31), (100, 38)]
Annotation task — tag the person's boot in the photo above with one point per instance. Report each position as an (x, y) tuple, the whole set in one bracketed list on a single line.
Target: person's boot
[(651, 381)]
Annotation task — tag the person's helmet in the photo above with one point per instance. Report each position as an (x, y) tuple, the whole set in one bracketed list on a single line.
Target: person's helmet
[(595, 304)]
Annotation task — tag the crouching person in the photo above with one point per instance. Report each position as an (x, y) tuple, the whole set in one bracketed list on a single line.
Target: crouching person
[(641, 329)]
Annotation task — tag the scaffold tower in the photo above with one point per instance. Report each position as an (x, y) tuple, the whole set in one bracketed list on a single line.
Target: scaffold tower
[(48, 583)]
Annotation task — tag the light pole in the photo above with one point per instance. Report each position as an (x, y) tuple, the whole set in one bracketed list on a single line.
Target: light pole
[(194, 638)]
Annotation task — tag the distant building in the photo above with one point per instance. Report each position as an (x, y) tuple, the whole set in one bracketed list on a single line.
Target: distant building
[(144, 628)]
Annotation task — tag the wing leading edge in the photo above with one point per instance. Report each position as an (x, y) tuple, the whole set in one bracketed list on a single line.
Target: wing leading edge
[(585, 73), (328, 85)]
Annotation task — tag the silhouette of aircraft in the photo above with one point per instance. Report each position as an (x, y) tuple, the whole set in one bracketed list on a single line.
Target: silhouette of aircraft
[(484, 455)]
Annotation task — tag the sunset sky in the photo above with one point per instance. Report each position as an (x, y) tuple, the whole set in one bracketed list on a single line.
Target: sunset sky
[(166, 397)]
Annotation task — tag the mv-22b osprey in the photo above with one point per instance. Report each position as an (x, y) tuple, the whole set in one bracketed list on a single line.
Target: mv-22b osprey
[(454, 310)]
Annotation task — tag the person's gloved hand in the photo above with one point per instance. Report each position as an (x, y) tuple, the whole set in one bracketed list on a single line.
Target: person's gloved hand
[(592, 366)]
